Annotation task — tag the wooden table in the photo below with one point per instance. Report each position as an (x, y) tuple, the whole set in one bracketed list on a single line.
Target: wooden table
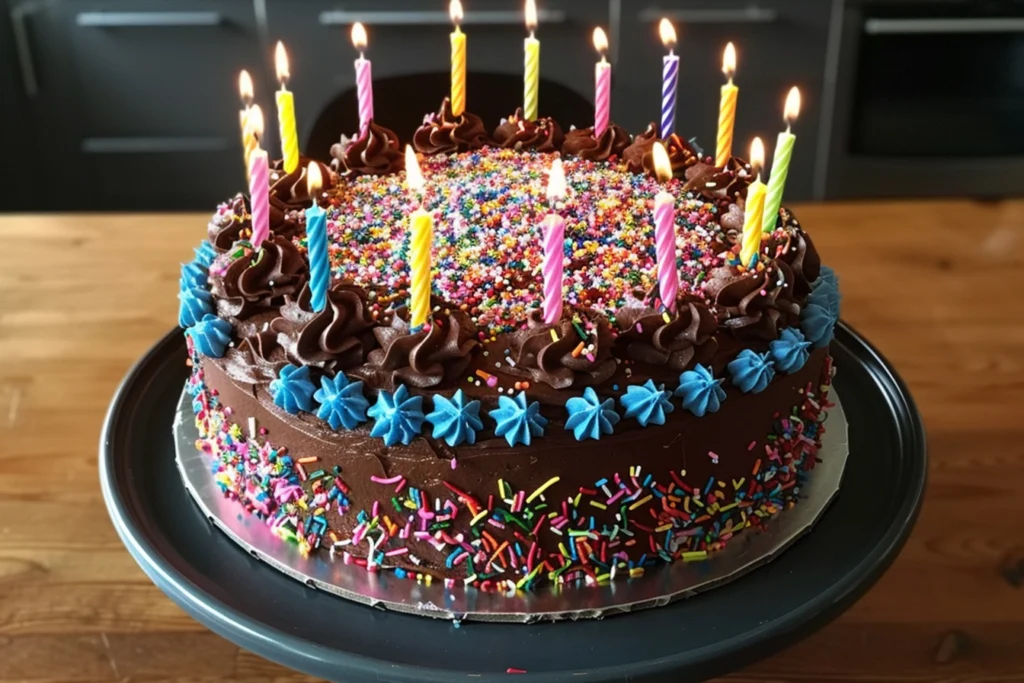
[(937, 286)]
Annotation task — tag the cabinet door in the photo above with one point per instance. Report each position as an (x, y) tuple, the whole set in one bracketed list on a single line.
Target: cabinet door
[(779, 44), (143, 100), (409, 49)]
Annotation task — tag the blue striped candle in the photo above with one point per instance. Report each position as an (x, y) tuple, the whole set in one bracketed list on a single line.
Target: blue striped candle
[(316, 242), (669, 80)]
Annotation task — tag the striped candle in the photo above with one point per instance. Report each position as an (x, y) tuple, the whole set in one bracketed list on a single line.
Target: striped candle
[(259, 196), (669, 80), (316, 242), (458, 40), (531, 64), (753, 210), (665, 231), (286, 113), (421, 239), (780, 162), (364, 80), (602, 84), (726, 108), (553, 236)]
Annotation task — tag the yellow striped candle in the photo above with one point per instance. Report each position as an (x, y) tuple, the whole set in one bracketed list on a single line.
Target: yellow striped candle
[(780, 162), (531, 63), (421, 238), (286, 112), (753, 210), (458, 60), (727, 108)]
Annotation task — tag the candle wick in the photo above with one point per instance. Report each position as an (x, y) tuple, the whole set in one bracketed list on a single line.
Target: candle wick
[(531, 34), (789, 126), (362, 55)]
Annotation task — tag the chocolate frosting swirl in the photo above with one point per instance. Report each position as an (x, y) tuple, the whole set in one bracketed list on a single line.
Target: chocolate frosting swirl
[(376, 153), (336, 338), (226, 228), (256, 282), (443, 133), (434, 356), (686, 339), (723, 185), (798, 252), (754, 305), (545, 359), (542, 135), (580, 142), (639, 156)]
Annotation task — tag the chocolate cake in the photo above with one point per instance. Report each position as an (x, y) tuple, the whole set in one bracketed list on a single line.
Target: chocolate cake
[(489, 448)]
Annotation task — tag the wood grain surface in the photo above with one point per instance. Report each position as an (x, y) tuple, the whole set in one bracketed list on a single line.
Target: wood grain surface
[(937, 286)]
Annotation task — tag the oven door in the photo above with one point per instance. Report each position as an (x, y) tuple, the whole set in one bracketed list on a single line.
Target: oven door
[(928, 100)]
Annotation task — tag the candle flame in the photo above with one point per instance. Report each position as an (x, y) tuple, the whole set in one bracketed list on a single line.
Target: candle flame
[(662, 165), (668, 33), (455, 12), (281, 63), (531, 15), (556, 181), (600, 41), (359, 36), (413, 175), (314, 179), (757, 156), (792, 108), (729, 61), (245, 87), (254, 121)]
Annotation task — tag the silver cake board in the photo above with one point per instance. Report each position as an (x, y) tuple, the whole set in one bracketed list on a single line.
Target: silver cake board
[(658, 586)]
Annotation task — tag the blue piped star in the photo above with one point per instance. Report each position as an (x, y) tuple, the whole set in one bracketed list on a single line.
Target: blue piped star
[(590, 416), (455, 420), (398, 417), (342, 403), (517, 421), (647, 403)]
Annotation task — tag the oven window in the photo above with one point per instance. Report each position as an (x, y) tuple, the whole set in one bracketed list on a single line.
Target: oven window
[(940, 80)]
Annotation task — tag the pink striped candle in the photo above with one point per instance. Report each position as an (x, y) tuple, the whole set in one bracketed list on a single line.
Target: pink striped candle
[(665, 231), (554, 246), (602, 84), (259, 196), (364, 80)]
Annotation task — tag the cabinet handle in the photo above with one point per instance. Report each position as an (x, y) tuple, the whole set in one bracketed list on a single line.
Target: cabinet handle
[(752, 14), (148, 19), (153, 145), (23, 46), (415, 18), (877, 27)]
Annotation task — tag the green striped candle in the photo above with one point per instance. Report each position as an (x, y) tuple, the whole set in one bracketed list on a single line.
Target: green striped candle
[(780, 163)]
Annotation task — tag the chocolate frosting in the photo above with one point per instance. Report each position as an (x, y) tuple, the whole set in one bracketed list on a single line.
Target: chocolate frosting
[(544, 359), (754, 305), (798, 252), (434, 356), (723, 185), (224, 229), (376, 153), (684, 340), (639, 156), (443, 133), (580, 142), (542, 135), (254, 282), (336, 338)]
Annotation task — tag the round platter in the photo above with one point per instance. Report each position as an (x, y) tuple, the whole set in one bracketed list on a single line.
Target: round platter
[(263, 610)]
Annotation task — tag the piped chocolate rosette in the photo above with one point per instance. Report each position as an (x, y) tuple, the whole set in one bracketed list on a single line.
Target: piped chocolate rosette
[(519, 133), (722, 185), (376, 153), (576, 351), (678, 340), (639, 156), (445, 133), (435, 355), (754, 304), (580, 142), (246, 282), (231, 223)]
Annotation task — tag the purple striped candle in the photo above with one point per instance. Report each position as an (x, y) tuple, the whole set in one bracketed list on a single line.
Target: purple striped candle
[(669, 80)]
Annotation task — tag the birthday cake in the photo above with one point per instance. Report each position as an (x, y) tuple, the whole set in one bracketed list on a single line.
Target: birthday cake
[(461, 372)]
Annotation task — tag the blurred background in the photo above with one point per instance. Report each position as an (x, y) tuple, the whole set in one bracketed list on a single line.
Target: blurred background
[(132, 104)]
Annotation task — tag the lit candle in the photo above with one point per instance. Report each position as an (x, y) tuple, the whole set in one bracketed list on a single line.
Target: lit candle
[(364, 80), (253, 132), (553, 230), (458, 98), (245, 90), (531, 72), (753, 210), (665, 231), (727, 108), (316, 241), (669, 79), (602, 84), (286, 112), (421, 238), (780, 162), (259, 196)]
